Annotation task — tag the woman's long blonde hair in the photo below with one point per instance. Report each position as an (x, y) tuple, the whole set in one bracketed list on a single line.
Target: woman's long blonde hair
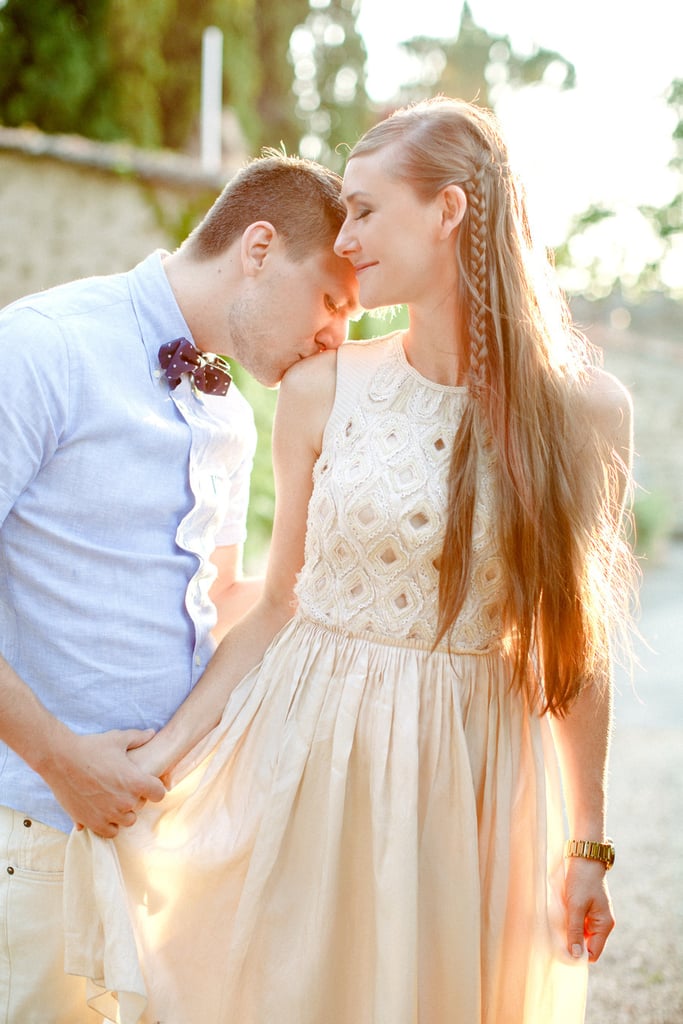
[(558, 486)]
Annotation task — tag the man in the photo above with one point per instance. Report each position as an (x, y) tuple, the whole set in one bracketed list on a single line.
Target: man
[(123, 489)]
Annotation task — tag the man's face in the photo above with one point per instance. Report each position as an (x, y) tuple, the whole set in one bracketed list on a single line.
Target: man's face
[(291, 311)]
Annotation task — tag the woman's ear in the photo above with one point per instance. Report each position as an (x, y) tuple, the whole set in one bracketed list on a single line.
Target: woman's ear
[(257, 240), (453, 206)]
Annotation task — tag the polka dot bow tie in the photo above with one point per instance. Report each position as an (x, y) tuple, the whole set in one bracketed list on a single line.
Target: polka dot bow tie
[(209, 372)]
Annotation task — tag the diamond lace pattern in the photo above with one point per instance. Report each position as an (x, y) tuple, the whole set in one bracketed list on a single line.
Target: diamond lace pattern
[(376, 518)]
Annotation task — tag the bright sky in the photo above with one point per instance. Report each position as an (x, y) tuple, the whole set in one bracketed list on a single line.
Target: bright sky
[(606, 141)]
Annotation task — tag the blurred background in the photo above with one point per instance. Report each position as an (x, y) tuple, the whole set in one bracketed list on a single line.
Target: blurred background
[(120, 121)]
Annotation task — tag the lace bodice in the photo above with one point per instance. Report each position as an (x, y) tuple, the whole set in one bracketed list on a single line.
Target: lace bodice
[(376, 518)]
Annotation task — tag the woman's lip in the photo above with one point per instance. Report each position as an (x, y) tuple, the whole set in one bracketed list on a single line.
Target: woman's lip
[(364, 266)]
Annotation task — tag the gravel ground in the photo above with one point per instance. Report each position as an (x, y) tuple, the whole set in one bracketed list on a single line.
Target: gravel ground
[(639, 978)]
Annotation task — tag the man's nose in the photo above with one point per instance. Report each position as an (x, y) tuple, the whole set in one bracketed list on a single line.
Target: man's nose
[(332, 335)]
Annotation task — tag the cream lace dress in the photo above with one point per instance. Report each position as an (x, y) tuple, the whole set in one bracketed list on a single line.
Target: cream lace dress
[(373, 834)]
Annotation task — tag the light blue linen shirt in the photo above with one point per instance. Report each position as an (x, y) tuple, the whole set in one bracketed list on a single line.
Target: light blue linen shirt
[(114, 492)]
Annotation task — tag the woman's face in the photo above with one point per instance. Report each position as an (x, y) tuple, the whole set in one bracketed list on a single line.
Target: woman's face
[(395, 240)]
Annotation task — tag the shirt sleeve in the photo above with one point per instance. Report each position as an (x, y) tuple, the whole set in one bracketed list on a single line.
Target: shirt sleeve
[(35, 397)]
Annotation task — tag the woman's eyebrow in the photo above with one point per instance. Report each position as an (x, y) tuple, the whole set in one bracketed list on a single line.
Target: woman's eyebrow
[(354, 195)]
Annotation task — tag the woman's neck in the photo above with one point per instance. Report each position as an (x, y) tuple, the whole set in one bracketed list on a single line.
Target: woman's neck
[(432, 346)]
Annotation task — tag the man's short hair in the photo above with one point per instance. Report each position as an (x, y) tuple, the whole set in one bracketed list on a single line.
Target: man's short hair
[(299, 197)]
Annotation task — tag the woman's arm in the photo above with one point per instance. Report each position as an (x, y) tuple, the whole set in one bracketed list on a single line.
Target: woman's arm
[(304, 405), (582, 736), (232, 593)]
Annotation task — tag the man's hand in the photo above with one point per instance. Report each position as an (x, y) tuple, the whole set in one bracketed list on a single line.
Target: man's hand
[(97, 783)]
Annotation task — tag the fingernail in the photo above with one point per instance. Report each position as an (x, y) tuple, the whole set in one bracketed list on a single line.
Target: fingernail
[(577, 950)]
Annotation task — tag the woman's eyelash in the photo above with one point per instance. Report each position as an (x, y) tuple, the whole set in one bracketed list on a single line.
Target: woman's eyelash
[(363, 213)]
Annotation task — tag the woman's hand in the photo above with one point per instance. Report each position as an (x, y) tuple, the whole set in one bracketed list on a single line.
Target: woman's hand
[(589, 908), (151, 757)]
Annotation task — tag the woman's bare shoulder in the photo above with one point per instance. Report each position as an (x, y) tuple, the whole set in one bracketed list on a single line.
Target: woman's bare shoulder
[(608, 404), (606, 397), (307, 394), (318, 370)]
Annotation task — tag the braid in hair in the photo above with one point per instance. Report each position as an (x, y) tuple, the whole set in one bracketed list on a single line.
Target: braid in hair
[(462, 483), (478, 320)]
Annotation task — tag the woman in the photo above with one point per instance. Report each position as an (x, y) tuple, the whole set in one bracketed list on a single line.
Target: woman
[(373, 830)]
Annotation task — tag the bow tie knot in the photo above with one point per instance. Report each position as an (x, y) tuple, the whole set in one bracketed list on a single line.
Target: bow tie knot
[(209, 372)]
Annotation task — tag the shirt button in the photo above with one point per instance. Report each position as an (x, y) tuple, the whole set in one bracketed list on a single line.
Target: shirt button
[(10, 870), (27, 822)]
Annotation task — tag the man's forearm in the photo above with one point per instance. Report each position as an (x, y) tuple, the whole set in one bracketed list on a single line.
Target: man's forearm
[(26, 725)]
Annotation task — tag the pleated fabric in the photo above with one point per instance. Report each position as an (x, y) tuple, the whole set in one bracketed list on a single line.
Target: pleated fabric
[(373, 833), (368, 849)]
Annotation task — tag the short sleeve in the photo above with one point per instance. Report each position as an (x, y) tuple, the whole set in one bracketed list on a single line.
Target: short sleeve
[(35, 398)]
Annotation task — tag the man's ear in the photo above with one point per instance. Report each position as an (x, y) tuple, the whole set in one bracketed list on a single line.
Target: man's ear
[(453, 207), (257, 241)]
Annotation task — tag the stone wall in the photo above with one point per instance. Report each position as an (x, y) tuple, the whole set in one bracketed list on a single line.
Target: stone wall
[(70, 207)]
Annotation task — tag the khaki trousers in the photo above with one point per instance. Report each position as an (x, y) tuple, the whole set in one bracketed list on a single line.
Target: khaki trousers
[(33, 986)]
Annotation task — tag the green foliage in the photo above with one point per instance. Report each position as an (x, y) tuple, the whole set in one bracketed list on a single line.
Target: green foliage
[(156, 49), (262, 494), (328, 56), (379, 322), (54, 62), (667, 219), (121, 69), (653, 518), (476, 62), (666, 222), (177, 221), (271, 112)]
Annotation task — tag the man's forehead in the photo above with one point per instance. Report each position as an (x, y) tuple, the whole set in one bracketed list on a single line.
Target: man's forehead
[(340, 279)]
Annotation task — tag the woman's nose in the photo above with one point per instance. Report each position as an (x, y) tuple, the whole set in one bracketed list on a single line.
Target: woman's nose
[(344, 243)]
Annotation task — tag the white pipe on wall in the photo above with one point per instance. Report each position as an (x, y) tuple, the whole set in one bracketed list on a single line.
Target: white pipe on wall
[(212, 99)]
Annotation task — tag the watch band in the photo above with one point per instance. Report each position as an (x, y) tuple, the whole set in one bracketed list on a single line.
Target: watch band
[(589, 850)]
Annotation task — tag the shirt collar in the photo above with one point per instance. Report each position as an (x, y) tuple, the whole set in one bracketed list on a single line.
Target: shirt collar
[(156, 308)]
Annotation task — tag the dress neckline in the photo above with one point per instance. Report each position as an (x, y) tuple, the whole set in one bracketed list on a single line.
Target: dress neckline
[(397, 341)]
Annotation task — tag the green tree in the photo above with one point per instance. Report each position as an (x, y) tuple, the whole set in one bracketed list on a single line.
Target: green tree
[(667, 220), (328, 55), (476, 63), (121, 69), (54, 58), (665, 223), (155, 53), (269, 113)]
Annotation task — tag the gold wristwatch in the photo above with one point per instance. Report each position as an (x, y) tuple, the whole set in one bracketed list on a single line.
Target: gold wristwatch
[(604, 852)]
